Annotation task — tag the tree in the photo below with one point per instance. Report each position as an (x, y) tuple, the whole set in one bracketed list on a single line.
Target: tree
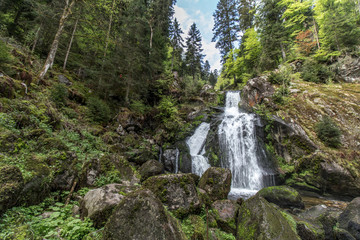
[(51, 56), (193, 55), (176, 40), (213, 77), (206, 71), (226, 27), (246, 9)]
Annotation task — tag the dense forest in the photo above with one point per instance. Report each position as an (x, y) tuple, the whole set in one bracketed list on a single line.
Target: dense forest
[(98, 99)]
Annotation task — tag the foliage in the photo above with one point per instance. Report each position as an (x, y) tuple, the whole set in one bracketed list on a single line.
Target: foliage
[(5, 57), (139, 107), (59, 94), (29, 223), (193, 54), (168, 113), (98, 110), (328, 132), (313, 71), (279, 95), (108, 178)]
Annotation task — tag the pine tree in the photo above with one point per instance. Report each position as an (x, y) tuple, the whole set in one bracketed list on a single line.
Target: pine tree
[(226, 28), (246, 11), (193, 55), (177, 42), (206, 71)]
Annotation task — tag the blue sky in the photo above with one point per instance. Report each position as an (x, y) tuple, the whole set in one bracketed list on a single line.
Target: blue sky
[(200, 12)]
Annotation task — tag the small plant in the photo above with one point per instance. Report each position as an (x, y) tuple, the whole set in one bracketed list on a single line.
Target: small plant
[(139, 107), (328, 132), (312, 71), (98, 110), (108, 178), (278, 78), (59, 94), (278, 97)]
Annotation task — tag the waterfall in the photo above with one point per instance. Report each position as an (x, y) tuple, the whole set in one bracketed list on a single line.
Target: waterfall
[(196, 145), (177, 160)]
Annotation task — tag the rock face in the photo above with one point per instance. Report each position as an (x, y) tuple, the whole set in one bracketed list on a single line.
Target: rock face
[(150, 168), (168, 158), (99, 203), (225, 212), (255, 91), (258, 219), (177, 192), (11, 184), (349, 71), (350, 218), (216, 182), (283, 196), (142, 216)]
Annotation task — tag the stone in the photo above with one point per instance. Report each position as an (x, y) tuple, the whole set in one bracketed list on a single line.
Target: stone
[(258, 219), (349, 70), (150, 168), (99, 203), (308, 231), (177, 192), (142, 216), (350, 218), (255, 91), (64, 80), (216, 182), (11, 184), (168, 158), (225, 213), (283, 196)]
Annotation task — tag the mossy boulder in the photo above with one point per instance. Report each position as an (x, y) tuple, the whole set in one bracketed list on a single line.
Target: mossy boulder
[(11, 184), (258, 219), (225, 212), (283, 196), (308, 231), (177, 192), (99, 203), (151, 168), (216, 182), (141, 215), (350, 218)]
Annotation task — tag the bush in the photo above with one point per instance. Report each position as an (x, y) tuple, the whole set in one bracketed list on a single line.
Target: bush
[(5, 57), (328, 132), (312, 71), (98, 110), (168, 113), (139, 107), (278, 78), (59, 94)]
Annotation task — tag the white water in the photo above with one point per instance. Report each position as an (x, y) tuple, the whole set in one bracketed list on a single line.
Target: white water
[(196, 145), (238, 145), (177, 160)]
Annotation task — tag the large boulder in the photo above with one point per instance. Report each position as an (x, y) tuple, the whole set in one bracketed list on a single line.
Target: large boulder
[(168, 157), (142, 216), (283, 196), (150, 168), (349, 70), (258, 219), (11, 184), (99, 203), (225, 212), (350, 218), (256, 91), (216, 182), (177, 192)]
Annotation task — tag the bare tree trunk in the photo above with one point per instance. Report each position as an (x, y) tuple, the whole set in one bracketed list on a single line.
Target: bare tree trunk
[(283, 51), (107, 41), (316, 34), (36, 39), (71, 41), (54, 46)]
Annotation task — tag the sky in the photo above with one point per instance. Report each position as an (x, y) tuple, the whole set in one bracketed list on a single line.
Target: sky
[(200, 11)]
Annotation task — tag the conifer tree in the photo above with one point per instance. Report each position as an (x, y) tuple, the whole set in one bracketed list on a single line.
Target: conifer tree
[(177, 42), (193, 55)]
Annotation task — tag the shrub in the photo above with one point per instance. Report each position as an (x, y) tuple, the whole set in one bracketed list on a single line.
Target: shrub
[(5, 57), (312, 71), (139, 107), (98, 110), (278, 78), (328, 132), (59, 94)]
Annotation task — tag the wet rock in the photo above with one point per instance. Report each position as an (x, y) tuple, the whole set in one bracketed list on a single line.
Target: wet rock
[(64, 80), (99, 203), (142, 216), (350, 218), (216, 182), (177, 192), (11, 184), (168, 158), (150, 168), (255, 91), (225, 213), (338, 180), (258, 219), (283, 196)]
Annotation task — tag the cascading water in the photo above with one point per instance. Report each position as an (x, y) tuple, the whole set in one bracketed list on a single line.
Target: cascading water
[(196, 145), (237, 141)]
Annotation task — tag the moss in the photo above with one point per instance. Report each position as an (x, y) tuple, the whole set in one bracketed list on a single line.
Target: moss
[(290, 220)]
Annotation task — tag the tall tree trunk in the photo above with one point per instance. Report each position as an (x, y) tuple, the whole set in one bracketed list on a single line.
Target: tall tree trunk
[(71, 41), (283, 51), (54, 46), (107, 41), (151, 34), (316, 34), (36, 39)]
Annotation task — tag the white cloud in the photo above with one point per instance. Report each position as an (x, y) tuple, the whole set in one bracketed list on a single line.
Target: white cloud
[(205, 24)]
